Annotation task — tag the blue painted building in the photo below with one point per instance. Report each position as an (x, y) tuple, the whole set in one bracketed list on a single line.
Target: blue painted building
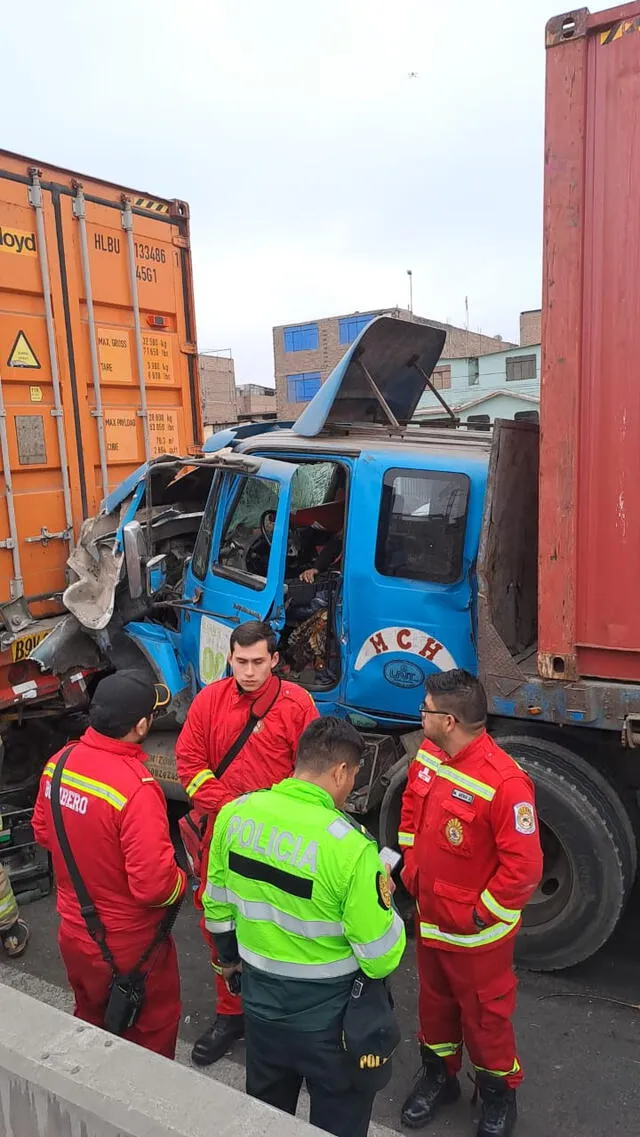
[(505, 384)]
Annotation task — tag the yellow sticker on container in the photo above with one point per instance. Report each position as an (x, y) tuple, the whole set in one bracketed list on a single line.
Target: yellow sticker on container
[(158, 364), (35, 394), (120, 428), (163, 432), (114, 353), (22, 353)]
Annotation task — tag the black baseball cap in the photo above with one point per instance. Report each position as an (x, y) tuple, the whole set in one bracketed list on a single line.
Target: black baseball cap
[(122, 699)]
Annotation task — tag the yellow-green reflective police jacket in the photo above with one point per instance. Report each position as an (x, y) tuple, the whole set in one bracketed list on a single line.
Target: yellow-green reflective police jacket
[(302, 886)]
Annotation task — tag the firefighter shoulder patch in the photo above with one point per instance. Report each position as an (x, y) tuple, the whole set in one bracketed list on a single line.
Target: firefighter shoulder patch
[(383, 890), (525, 817)]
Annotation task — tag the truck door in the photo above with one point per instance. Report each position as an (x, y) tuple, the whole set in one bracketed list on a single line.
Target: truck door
[(407, 604), (410, 560), (238, 565)]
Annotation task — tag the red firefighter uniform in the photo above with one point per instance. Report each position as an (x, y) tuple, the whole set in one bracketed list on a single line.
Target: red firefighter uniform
[(115, 818), (469, 834), (215, 719)]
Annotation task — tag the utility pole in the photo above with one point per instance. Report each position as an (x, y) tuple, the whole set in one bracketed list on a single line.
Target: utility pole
[(410, 275)]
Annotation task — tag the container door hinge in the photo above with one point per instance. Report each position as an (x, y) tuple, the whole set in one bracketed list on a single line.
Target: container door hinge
[(45, 536)]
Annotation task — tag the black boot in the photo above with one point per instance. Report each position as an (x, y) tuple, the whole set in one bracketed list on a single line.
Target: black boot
[(434, 1088), (15, 939), (499, 1110), (217, 1039)]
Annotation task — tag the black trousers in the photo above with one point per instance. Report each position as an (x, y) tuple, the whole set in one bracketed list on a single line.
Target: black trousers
[(279, 1060)]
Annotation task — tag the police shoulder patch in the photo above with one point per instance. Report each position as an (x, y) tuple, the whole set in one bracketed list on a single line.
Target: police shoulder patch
[(383, 890), (524, 817)]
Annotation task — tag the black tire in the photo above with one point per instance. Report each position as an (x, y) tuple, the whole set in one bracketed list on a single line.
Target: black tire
[(590, 856)]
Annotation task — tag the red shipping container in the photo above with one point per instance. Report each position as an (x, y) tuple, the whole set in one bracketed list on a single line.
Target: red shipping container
[(589, 552)]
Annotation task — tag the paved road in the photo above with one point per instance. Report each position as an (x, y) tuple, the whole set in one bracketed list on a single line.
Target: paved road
[(581, 1055)]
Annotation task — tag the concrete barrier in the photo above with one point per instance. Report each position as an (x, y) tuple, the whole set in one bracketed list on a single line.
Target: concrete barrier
[(62, 1078)]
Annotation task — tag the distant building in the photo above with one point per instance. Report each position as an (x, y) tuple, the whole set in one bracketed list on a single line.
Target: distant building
[(224, 404), (480, 389), (305, 354), (255, 403), (218, 390), (530, 327)]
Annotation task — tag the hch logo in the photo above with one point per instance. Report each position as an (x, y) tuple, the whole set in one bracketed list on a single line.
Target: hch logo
[(18, 241)]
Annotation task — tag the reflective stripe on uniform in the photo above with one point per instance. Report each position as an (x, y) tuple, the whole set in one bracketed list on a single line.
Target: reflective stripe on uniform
[(500, 1073), (196, 782), (376, 948), (510, 915), (443, 770), (443, 1049), (476, 939), (89, 786), (8, 906), (288, 970), (175, 893), (339, 828), (216, 893), (406, 840), (259, 910), (218, 926)]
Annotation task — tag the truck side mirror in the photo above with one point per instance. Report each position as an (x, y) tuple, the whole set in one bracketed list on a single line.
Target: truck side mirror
[(134, 550), (155, 574)]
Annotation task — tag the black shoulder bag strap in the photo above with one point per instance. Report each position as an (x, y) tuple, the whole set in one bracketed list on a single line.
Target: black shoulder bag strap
[(247, 729), (88, 910), (95, 927)]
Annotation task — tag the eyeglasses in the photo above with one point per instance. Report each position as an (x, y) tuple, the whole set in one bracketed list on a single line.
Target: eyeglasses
[(425, 710)]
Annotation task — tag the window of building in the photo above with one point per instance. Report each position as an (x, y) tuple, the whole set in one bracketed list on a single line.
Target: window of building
[(422, 525), (441, 378), (526, 416), (474, 372), (304, 337), (521, 367), (302, 387), (479, 422), (351, 326)]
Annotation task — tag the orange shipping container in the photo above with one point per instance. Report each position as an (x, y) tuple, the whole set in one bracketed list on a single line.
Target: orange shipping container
[(98, 357)]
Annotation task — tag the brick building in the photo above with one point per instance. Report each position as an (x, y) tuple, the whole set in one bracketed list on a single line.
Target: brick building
[(218, 390), (305, 354), (255, 403), (224, 404), (530, 327)]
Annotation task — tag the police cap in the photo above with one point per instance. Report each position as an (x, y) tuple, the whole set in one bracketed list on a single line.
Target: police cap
[(370, 1032)]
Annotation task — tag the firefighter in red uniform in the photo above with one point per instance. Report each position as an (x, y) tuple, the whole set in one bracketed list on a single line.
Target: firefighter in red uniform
[(217, 718), (472, 860), (115, 820)]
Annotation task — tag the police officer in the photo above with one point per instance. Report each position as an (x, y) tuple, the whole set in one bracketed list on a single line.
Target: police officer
[(115, 821), (472, 860), (299, 903), (216, 720)]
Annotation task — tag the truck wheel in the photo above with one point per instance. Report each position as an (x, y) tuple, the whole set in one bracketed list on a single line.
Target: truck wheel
[(590, 856)]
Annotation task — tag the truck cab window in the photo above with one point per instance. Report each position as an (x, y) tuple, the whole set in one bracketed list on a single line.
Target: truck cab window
[(422, 525), (245, 545)]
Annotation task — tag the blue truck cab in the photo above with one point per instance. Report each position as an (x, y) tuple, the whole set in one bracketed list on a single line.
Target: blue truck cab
[(380, 552)]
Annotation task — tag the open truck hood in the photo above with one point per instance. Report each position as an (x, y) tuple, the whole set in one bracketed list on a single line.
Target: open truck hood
[(379, 380)]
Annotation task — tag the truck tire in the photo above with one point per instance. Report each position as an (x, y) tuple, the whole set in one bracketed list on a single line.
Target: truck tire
[(590, 856)]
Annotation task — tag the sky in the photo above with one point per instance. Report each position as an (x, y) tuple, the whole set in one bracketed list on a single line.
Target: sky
[(324, 147)]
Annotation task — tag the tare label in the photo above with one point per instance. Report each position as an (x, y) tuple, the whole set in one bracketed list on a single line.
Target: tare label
[(18, 241)]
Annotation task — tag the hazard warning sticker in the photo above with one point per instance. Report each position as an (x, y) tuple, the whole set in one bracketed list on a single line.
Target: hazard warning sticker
[(22, 354)]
